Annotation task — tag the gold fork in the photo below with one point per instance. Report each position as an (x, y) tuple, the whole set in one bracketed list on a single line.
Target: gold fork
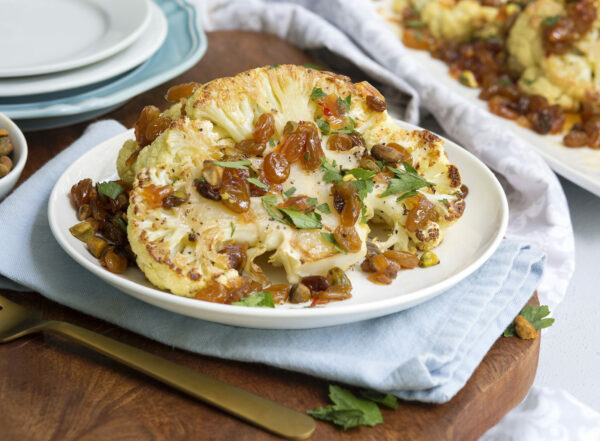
[(17, 321)]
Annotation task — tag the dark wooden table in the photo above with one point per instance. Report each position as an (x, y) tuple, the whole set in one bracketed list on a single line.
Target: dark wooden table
[(51, 389)]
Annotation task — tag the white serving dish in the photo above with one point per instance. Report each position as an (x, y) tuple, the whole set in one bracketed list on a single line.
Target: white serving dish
[(468, 244)]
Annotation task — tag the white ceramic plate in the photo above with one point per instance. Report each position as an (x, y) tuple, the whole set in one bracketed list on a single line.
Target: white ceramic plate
[(41, 36), (467, 245), (143, 48), (579, 165)]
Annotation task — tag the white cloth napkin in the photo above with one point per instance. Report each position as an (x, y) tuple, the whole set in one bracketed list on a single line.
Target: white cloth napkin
[(356, 38), (547, 415), (425, 353)]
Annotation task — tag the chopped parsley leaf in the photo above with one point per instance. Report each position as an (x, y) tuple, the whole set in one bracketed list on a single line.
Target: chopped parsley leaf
[(324, 126), (232, 228), (346, 102), (361, 173), (268, 203), (550, 21), (349, 128), (364, 183), (302, 221), (110, 189), (242, 165), (259, 299), (120, 222), (329, 237), (363, 214), (258, 183), (408, 194), (317, 93), (290, 191), (332, 173), (364, 187), (324, 208)]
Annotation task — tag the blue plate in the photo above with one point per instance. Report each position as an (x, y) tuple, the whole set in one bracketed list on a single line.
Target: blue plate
[(184, 46)]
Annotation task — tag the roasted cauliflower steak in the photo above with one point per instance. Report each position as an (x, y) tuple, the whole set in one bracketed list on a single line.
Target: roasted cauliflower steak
[(296, 219)]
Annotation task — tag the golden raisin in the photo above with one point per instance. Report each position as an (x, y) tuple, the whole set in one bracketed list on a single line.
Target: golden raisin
[(376, 103), (251, 147), (150, 125), (351, 206), (420, 214), (404, 259), (235, 192), (348, 239), (179, 91), (313, 152), (280, 292), (264, 128), (276, 167)]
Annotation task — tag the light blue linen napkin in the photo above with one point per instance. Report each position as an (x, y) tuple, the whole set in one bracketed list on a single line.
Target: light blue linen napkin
[(426, 353)]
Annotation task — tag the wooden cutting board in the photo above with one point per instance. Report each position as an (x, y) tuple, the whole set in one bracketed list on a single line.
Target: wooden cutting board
[(51, 389)]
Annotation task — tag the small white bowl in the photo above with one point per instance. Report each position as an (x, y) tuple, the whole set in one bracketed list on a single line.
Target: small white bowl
[(18, 155)]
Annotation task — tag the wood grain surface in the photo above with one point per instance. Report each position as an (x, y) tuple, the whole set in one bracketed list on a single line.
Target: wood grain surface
[(51, 389)]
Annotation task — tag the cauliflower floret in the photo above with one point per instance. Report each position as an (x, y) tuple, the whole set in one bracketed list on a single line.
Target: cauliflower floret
[(564, 79), (450, 20)]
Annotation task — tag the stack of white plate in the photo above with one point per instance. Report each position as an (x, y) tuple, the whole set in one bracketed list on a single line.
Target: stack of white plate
[(66, 61)]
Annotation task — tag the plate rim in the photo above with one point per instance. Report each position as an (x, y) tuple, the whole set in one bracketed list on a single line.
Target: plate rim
[(128, 59), (113, 49), (249, 316)]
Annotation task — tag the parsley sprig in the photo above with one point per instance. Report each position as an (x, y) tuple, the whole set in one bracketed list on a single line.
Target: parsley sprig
[(347, 410), (407, 180), (363, 178), (534, 315)]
